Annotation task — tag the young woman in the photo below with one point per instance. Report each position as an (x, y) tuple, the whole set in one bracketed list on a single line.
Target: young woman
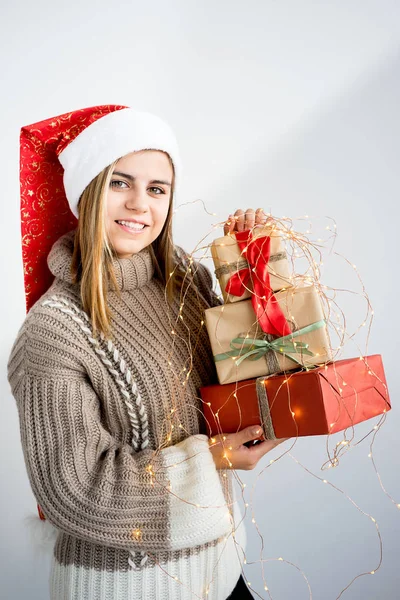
[(107, 366)]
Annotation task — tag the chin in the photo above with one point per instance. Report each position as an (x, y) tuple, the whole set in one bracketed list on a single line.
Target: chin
[(128, 250), (124, 248)]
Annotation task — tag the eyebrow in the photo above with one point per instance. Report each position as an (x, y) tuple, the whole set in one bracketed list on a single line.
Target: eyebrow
[(131, 178)]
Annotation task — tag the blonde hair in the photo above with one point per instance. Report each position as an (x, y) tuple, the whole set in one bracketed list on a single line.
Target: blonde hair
[(93, 254)]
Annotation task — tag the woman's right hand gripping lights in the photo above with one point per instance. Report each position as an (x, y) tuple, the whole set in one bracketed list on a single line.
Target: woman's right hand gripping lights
[(229, 450)]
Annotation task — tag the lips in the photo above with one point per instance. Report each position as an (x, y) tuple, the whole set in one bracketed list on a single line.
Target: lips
[(125, 221), (132, 224)]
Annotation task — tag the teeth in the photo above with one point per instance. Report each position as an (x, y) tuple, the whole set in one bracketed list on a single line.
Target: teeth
[(131, 225)]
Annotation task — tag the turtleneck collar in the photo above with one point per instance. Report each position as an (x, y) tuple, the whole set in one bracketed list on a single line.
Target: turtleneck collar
[(131, 273)]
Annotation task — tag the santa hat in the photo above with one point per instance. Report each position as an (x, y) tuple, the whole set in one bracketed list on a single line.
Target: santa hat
[(59, 157)]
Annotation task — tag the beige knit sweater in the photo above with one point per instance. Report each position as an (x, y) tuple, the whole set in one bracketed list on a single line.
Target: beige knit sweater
[(114, 440)]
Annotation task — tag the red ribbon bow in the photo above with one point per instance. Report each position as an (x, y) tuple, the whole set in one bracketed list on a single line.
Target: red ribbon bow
[(267, 310)]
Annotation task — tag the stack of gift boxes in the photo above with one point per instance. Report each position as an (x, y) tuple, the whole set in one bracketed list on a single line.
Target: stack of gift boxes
[(272, 351)]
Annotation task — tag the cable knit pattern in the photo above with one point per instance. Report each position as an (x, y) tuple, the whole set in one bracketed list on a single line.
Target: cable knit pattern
[(120, 373), (114, 441)]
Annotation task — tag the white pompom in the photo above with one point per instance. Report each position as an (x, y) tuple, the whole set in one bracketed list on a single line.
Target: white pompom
[(43, 534)]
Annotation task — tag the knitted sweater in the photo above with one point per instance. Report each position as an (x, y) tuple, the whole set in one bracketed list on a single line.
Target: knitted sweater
[(115, 444)]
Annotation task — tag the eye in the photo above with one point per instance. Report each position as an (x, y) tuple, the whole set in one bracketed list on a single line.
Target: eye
[(117, 182), (157, 188)]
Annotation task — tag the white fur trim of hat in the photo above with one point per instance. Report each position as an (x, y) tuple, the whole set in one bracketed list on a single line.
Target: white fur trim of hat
[(109, 138)]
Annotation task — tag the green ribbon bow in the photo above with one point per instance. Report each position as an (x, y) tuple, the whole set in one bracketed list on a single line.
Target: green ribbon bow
[(258, 348)]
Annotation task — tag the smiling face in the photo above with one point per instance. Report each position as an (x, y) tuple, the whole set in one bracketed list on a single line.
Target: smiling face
[(138, 200)]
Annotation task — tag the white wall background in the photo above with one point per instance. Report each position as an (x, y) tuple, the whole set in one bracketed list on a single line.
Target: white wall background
[(291, 105)]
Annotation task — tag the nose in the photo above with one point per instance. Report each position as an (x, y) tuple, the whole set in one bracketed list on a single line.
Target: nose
[(138, 200)]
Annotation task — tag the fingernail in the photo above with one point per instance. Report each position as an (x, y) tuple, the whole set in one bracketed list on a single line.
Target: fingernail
[(256, 431)]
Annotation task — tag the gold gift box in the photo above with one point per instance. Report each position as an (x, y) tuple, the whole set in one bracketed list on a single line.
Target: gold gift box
[(301, 306), (228, 259)]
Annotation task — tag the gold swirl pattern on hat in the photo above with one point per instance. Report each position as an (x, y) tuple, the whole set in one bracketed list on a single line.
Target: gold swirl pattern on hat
[(45, 212)]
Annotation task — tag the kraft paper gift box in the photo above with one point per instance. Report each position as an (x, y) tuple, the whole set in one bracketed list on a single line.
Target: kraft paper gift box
[(228, 259), (319, 401), (231, 322)]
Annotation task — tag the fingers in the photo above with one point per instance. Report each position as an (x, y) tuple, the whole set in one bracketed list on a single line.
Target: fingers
[(235, 440), (230, 449), (239, 216), (242, 220), (262, 448), (247, 434), (261, 217), (229, 225), (250, 218)]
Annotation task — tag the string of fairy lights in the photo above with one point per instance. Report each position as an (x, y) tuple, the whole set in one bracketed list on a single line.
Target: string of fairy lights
[(299, 248)]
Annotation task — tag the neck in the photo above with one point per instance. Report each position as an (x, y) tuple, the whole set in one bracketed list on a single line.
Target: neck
[(131, 272)]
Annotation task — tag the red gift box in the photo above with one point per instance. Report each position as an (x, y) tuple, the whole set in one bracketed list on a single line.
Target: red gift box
[(319, 401)]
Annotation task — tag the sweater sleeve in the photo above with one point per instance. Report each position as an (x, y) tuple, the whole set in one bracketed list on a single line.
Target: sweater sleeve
[(91, 485), (202, 278), (205, 283)]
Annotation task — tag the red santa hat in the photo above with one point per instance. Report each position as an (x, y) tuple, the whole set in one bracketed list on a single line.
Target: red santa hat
[(59, 157)]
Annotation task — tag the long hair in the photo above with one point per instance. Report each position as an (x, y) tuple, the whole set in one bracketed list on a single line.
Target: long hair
[(93, 254)]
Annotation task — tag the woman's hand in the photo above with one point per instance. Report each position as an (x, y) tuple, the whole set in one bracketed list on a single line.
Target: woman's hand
[(245, 220), (232, 449)]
